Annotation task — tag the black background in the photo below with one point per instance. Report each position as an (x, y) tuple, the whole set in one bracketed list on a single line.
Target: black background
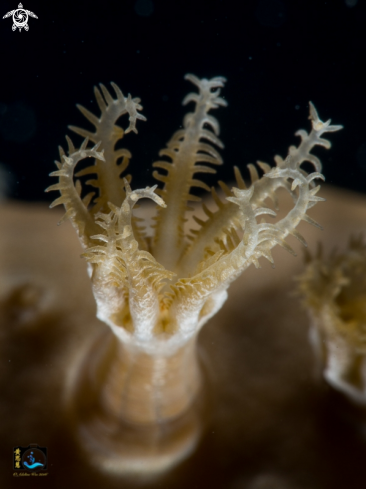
[(276, 55)]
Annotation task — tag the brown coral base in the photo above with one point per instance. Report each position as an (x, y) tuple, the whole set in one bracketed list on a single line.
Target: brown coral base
[(273, 423)]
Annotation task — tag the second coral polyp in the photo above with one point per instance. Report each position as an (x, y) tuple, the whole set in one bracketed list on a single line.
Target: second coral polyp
[(334, 291)]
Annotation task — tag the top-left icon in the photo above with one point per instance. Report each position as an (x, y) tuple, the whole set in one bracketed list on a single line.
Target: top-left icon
[(20, 18)]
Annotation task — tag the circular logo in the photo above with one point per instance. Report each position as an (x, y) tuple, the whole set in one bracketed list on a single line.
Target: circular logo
[(33, 459), (20, 17)]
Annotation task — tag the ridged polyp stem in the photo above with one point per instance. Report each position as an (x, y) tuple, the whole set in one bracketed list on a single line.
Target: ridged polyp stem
[(144, 387)]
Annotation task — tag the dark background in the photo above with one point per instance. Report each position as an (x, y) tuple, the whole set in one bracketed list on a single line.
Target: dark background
[(276, 54)]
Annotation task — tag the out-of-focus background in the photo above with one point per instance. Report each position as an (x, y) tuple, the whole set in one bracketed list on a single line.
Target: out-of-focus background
[(276, 55)]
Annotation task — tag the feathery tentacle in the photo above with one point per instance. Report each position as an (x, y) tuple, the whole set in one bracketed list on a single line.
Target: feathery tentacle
[(186, 150)]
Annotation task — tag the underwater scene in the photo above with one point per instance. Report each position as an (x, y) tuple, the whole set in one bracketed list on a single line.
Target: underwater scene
[(183, 246)]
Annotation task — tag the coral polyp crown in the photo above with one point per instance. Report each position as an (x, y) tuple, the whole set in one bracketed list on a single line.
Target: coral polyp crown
[(162, 289)]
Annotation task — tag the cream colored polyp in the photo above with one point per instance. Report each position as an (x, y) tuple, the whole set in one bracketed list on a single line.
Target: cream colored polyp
[(155, 293)]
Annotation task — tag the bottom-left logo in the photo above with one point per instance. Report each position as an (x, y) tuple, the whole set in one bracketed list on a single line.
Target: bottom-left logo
[(31, 458)]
